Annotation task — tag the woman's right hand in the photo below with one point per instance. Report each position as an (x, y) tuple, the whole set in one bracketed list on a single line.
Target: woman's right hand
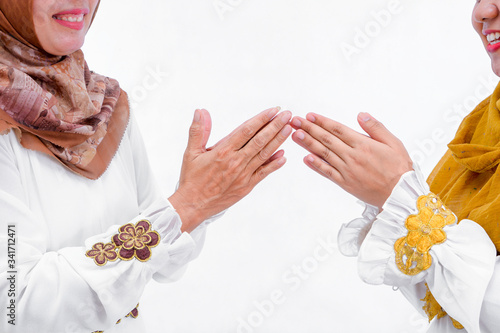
[(213, 179), (368, 166)]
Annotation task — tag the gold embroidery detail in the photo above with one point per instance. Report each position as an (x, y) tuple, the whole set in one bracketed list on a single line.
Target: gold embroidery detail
[(136, 241), (102, 253), (130, 242), (456, 324), (433, 309), (425, 229), (431, 306), (134, 313)]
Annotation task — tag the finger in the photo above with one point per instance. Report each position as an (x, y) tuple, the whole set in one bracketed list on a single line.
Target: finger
[(344, 133), (275, 156), (375, 129), (266, 169), (265, 154), (197, 133), (207, 128), (321, 135), (311, 144), (324, 169), (269, 138), (241, 135)]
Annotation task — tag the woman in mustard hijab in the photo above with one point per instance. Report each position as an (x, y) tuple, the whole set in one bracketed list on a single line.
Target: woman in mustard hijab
[(83, 222), (435, 241)]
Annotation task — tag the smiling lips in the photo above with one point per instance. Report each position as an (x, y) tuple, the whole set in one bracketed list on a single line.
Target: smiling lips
[(72, 19)]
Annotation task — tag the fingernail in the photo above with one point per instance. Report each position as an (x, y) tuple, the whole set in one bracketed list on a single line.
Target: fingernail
[(286, 131), (274, 111), (281, 160), (364, 116), (197, 116), (311, 117), (285, 118), (300, 135), (296, 122), (310, 159)]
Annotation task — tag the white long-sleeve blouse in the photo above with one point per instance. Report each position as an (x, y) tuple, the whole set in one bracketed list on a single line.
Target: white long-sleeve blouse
[(464, 276), (79, 251)]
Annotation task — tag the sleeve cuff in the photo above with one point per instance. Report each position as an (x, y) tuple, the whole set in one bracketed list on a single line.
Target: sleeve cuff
[(352, 234), (377, 259), (184, 249), (460, 263)]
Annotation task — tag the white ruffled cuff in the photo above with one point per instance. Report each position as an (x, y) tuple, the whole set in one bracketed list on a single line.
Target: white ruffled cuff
[(185, 249), (462, 265), (377, 262), (352, 234)]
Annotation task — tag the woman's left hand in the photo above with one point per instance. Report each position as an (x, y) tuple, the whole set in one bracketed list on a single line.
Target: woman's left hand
[(367, 167)]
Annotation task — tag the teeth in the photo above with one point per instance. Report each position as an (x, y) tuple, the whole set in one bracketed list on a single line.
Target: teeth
[(493, 38), (78, 18)]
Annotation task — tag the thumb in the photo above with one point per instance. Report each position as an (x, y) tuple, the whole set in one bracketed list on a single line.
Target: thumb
[(375, 129), (207, 127), (199, 132)]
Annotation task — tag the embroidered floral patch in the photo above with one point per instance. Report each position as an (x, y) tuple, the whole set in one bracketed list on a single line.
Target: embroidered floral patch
[(425, 229), (433, 309), (134, 313), (131, 241), (136, 241), (102, 253)]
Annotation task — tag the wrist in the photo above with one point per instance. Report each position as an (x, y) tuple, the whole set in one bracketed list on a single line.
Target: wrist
[(187, 210)]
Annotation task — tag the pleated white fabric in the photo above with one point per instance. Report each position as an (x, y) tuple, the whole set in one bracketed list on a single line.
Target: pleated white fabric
[(463, 269)]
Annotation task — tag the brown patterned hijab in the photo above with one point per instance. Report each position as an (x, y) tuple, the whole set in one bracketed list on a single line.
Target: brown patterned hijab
[(55, 104)]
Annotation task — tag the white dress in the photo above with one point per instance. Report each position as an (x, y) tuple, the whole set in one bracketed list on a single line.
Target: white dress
[(56, 217), (464, 276)]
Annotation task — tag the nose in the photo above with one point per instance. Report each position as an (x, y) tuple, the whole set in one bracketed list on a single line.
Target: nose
[(485, 10)]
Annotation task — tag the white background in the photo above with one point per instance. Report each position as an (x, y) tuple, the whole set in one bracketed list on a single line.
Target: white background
[(418, 70)]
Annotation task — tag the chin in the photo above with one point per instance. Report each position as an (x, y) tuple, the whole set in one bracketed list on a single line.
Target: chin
[(62, 49), (495, 66)]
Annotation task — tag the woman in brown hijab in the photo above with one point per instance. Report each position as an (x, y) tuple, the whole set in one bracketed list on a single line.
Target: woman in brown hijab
[(85, 225)]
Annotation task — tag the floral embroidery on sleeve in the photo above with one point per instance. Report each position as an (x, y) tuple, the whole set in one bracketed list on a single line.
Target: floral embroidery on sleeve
[(131, 241), (102, 253), (425, 229), (134, 313), (433, 309), (136, 241)]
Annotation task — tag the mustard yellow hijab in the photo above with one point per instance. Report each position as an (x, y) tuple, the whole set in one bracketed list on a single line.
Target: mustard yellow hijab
[(55, 104), (467, 178)]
